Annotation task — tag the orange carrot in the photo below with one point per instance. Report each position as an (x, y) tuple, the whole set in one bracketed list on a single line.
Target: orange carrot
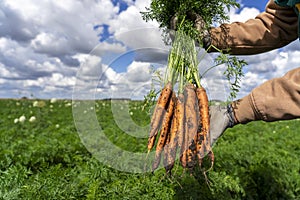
[(151, 142), (180, 113), (166, 150), (164, 132), (185, 146), (159, 113), (205, 124), (191, 112), (181, 122), (199, 151), (191, 116), (172, 145)]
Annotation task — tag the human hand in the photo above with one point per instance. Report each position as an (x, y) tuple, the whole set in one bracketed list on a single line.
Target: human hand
[(221, 118), (199, 25), (196, 18)]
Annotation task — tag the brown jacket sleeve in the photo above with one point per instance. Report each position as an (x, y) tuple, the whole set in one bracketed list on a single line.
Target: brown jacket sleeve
[(276, 99), (274, 28)]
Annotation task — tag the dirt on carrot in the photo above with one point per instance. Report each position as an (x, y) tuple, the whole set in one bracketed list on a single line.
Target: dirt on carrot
[(171, 147), (204, 136), (165, 130), (159, 113)]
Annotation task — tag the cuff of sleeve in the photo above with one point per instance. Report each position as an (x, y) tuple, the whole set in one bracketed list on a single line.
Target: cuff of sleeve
[(245, 110)]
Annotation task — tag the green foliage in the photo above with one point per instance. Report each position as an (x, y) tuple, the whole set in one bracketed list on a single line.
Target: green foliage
[(41, 160), (212, 11), (233, 73), (149, 100)]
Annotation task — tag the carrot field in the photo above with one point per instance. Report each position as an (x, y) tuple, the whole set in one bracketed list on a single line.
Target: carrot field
[(43, 157)]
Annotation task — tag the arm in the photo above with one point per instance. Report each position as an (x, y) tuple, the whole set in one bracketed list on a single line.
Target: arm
[(276, 99), (274, 28)]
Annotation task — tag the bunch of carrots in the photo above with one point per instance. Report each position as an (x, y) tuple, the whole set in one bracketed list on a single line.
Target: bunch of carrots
[(180, 122)]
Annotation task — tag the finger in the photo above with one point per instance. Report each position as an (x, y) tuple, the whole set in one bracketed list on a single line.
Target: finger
[(174, 21), (192, 15), (199, 23)]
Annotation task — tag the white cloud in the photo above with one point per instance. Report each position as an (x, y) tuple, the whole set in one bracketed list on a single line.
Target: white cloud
[(134, 83), (108, 47), (62, 28), (48, 43), (133, 31), (111, 76), (91, 67), (40, 39), (244, 15), (4, 72), (138, 72)]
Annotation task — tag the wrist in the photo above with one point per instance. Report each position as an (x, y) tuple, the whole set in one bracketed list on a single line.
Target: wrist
[(206, 41), (244, 110), (230, 114)]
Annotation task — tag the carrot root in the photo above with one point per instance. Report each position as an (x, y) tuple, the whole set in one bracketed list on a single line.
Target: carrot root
[(165, 130), (159, 113)]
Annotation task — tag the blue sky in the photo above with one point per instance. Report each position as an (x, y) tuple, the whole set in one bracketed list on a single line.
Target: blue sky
[(259, 4), (42, 53)]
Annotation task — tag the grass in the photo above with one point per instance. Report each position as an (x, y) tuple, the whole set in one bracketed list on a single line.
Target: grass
[(46, 159)]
